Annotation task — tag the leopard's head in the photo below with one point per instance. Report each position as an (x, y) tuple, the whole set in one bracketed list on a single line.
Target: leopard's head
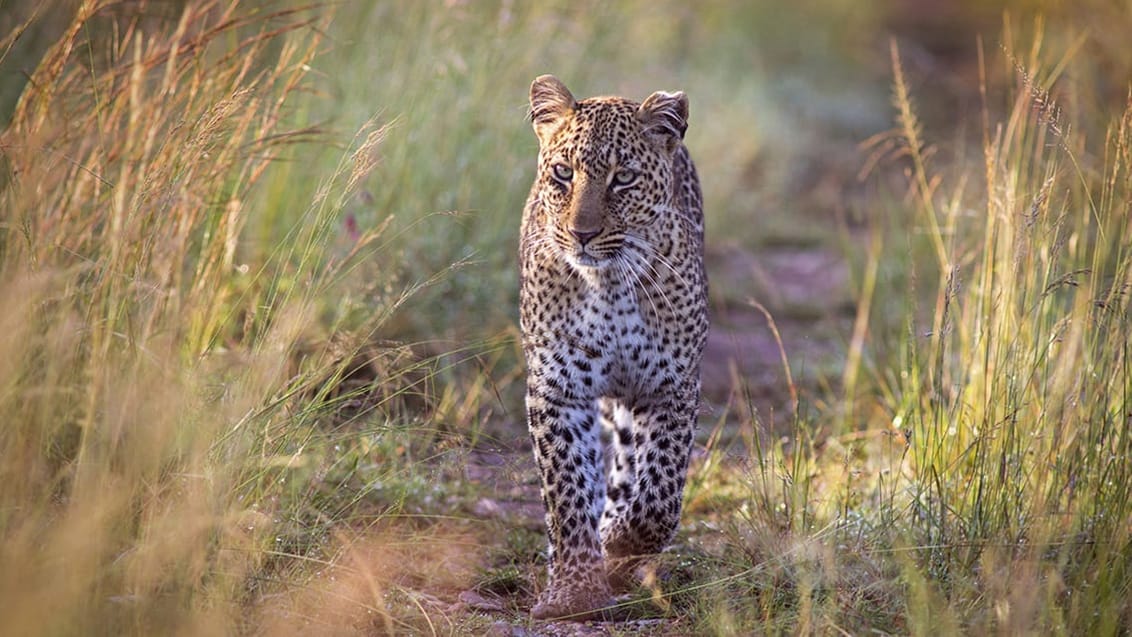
[(605, 172)]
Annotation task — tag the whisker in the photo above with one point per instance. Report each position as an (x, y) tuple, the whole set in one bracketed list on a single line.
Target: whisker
[(546, 244), (640, 244), (626, 268), (652, 278)]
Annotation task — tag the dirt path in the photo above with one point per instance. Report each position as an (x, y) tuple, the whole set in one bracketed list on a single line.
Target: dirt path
[(804, 289)]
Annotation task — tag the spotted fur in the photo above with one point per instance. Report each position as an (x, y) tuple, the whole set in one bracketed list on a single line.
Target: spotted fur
[(613, 309)]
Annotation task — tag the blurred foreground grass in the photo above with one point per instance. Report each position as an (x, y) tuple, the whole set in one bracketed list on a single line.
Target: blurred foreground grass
[(256, 334)]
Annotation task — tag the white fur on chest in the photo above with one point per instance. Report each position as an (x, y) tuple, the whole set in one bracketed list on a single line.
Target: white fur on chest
[(626, 332)]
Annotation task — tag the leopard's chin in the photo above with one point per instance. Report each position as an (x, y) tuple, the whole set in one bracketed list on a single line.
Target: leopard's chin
[(586, 260)]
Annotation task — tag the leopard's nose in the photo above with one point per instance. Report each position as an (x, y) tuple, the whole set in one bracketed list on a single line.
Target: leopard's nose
[(584, 236)]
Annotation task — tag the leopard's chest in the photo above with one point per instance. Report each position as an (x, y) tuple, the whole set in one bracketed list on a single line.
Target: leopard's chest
[(614, 337)]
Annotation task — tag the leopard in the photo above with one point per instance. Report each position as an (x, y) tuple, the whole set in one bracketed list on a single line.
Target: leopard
[(613, 320)]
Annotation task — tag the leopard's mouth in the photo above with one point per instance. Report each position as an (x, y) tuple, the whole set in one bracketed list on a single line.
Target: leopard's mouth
[(583, 256), (585, 259)]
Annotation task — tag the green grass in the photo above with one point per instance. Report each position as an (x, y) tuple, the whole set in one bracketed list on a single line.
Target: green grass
[(258, 371)]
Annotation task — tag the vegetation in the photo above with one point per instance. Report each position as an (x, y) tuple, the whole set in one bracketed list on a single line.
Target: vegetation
[(258, 371)]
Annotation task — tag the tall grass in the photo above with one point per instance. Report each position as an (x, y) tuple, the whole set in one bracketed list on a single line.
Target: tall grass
[(1016, 392), (162, 380)]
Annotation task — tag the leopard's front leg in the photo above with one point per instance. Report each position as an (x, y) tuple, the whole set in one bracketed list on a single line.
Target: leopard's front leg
[(564, 430), (659, 437)]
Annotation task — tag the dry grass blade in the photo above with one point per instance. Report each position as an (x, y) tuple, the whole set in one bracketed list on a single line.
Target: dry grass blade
[(911, 132), (782, 355)]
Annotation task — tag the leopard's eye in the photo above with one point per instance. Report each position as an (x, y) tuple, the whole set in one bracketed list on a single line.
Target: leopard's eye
[(624, 177), (562, 172)]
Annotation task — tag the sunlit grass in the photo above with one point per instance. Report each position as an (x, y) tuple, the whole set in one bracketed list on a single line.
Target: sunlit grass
[(1017, 400)]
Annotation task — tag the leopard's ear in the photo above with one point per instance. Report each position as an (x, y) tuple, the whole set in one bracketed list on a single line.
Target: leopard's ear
[(551, 102), (664, 116)]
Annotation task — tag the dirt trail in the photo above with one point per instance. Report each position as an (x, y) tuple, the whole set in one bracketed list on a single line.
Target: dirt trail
[(804, 288)]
